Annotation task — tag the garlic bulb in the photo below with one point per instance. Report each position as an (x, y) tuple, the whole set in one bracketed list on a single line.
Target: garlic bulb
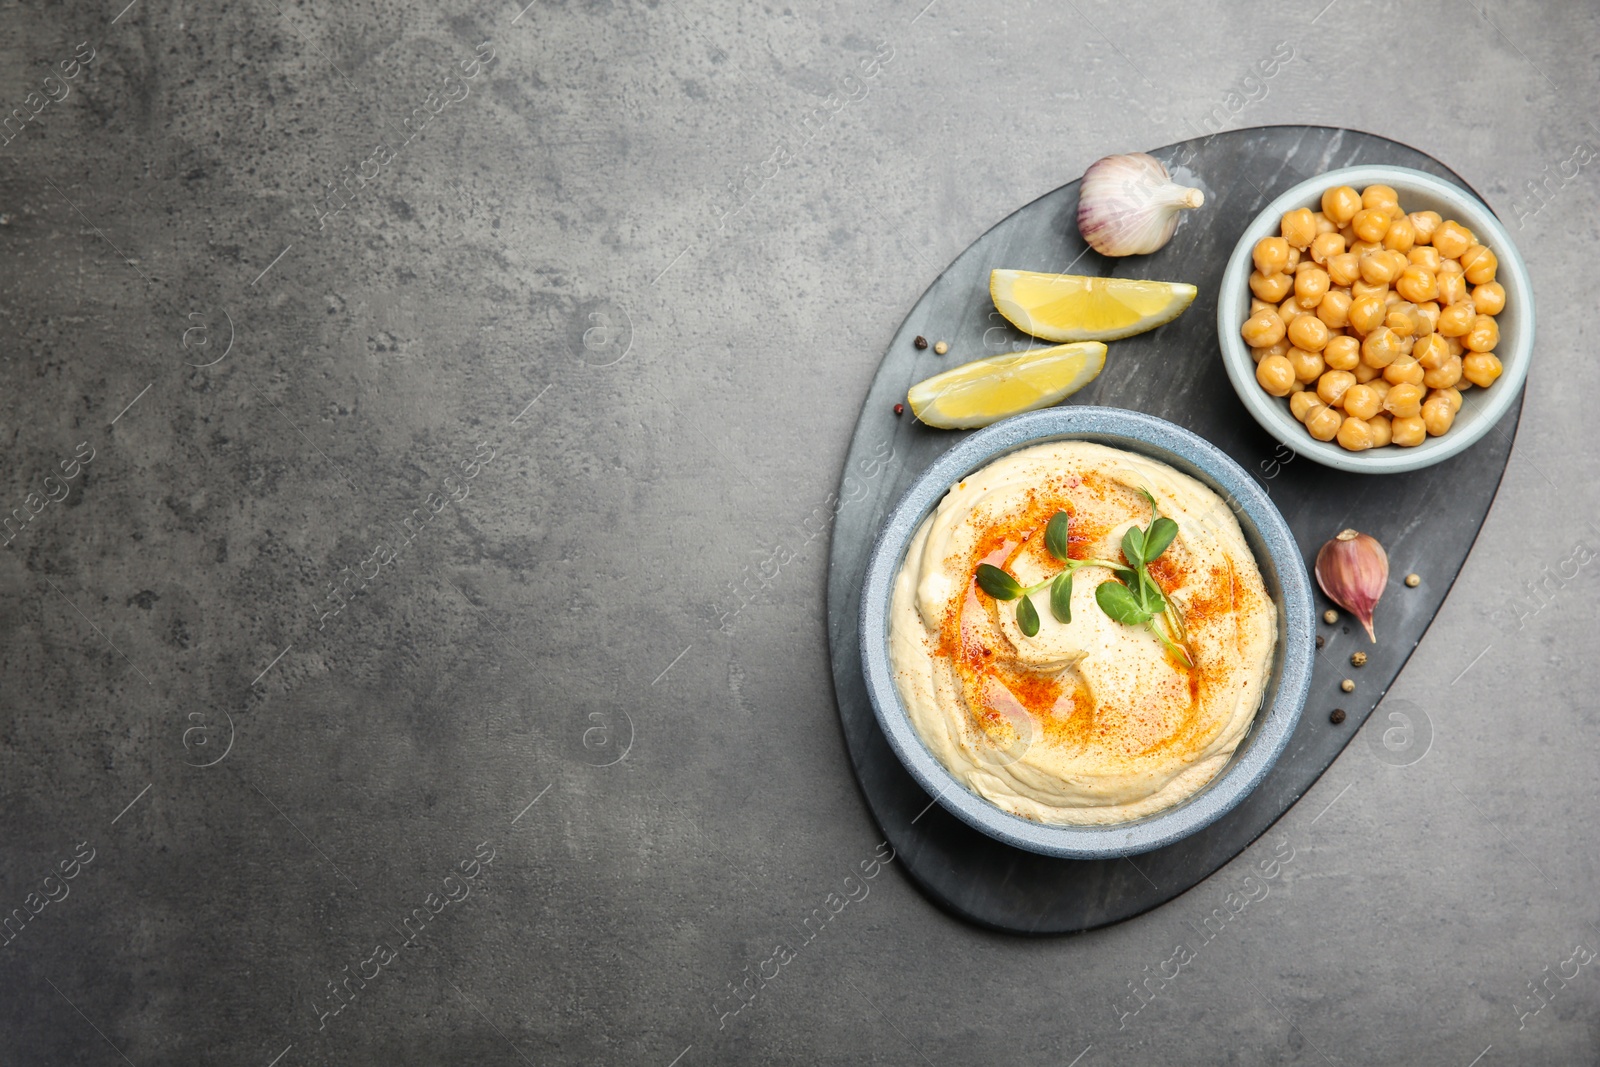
[(1128, 205), (1353, 570)]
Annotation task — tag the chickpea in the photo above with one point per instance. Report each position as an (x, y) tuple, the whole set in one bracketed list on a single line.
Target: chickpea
[(1484, 335), (1362, 401), (1457, 319), (1335, 309), (1276, 375), (1444, 376), (1481, 368), (1403, 401), (1294, 259), (1309, 332), (1366, 374), (1371, 225), (1298, 227), (1437, 417), (1355, 434), (1426, 257), (1344, 268), (1421, 321), (1271, 287), (1324, 422), (1382, 430), (1431, 352), (1366, 313), (1361, 288), (1279, 348), (1391, 298), (1348, 232), (1303, 403), (1380, 348), (1479, 264), (1404, 371), (1310, 285), (1363, 248), (1271, 255), (1263, 329), (1449, 396), (1308, 366), (1406, 344), (1408, 433), (1430, 311), (1417, 284), (1324, 224), (1452, 239), (1455, 346), (1401, 236), (1332, 385), (1425, 223), (1377, 195), (1258, 304), (1341, 204), (1400, 321), (1490, 298), (1451, 266), (1343, 352), (1452, 287), (1377, 269), (1378, 385), (1325, 247), (1396, 212), (1290, 310)]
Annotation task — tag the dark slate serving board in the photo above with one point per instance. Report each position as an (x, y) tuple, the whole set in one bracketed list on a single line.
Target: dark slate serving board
[(1426, 519)]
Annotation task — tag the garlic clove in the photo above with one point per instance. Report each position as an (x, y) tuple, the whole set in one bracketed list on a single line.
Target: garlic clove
[(1128, 205), (1353, 569)]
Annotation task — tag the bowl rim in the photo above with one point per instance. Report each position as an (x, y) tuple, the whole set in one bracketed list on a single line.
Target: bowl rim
[(1276, 419), (1272, 726)]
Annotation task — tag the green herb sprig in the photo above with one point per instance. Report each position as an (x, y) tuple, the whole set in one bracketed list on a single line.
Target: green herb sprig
[(1132, 598)]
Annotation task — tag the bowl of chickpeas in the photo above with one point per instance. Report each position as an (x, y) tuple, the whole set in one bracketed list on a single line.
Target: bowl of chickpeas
[(1376, 319)]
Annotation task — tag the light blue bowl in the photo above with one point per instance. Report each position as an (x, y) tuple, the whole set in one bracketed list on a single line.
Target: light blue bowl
[(1480, 408), (1276, 553)]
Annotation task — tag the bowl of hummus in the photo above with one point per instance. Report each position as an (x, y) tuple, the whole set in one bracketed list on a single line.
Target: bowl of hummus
[(1087, 632)]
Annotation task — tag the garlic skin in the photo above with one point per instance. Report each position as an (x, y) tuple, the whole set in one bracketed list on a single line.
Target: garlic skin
[(1128, 205), (1353, 570)]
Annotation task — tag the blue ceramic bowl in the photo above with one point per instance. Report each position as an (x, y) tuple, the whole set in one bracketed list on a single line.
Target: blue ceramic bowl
[(1480, 408), (1282, 568)]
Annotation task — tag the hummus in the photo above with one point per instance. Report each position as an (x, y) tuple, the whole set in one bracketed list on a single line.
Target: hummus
[(1091, 721)]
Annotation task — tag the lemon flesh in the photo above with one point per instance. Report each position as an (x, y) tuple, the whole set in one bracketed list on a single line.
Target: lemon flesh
[(988, 390), (1072, 307)]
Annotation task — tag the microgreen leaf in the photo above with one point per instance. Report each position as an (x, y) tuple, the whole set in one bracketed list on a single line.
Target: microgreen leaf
[(1056, 535), (997, 583), (1027, 617), (1061, 597), (1119, 603), (1149, 496), (1159, 536), (1153, 601), (1133, 546)]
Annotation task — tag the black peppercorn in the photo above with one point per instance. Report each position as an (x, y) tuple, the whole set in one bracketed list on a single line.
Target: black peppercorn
[(1336, 716)]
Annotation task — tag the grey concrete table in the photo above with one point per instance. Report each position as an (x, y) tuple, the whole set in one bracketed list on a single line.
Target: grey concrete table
[(421, 424)]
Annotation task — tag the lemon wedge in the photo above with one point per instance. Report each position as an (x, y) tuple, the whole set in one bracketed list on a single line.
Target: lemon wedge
[(1071, 307), (988, 390)]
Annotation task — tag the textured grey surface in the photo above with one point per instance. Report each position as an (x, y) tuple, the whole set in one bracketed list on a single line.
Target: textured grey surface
[(688, 230)]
